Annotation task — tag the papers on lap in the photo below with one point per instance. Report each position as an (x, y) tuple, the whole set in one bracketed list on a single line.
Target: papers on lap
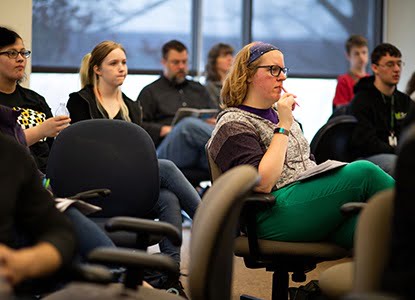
[(63, 203), (321, 168), (184, 112)]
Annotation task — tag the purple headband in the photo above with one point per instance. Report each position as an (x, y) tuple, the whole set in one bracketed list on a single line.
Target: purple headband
[(259, 49)]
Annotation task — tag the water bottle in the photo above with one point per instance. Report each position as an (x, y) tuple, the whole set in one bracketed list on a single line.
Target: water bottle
[(62, 110)]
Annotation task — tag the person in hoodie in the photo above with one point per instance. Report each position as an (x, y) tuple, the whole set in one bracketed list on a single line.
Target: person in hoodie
[(381, 110)]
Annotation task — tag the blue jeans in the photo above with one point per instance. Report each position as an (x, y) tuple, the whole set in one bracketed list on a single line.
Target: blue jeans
[(176, 193), (172, 179), (168, 210), (88, 234), (386, 162), (185, 144)]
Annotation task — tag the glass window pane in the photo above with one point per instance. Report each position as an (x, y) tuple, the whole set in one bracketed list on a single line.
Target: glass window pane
[(65, 30), (222, 23), (312, 33)]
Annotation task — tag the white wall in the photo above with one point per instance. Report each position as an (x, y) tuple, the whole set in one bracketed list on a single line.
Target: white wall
[(17, 15), (399, 31)]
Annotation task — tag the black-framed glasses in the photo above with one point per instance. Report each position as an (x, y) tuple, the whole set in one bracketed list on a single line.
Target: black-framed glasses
[(275, 70), (391, 64), (15, 53)]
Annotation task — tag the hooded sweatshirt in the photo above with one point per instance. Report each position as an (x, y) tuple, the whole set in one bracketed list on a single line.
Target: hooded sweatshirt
[(379, 116)]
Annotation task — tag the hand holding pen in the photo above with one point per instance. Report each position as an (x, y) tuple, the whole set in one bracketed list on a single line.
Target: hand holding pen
[(295, 102)]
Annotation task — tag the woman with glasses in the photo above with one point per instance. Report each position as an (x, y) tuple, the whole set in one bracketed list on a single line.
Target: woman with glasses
[(36, 118), (219, 62), (251, 131)]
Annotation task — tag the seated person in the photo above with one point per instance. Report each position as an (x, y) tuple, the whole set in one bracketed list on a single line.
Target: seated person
[(102, 73), (28, 214), (219, 61), (381, 110), (250, 131), (357, 55), (184, 144), (37, 120)]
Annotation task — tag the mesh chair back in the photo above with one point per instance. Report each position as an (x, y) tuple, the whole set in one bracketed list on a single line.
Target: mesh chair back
[(111, 154), (213, 232)]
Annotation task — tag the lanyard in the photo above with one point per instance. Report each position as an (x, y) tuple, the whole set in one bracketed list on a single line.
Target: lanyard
[(392, 111)]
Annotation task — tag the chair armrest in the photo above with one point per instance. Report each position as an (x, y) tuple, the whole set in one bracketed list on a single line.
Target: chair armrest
[(91, 194), (352, 208), (91, 273), (135, 263), (254, 202), (141, 226), (260, 198), (131, 258)]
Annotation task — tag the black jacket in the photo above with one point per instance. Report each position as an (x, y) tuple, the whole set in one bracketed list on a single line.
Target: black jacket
[(373, 112), (82, 105), (26, 207), (162, 98)]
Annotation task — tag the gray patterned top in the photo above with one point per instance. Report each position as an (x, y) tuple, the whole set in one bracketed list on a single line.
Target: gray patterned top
[(235, 125)]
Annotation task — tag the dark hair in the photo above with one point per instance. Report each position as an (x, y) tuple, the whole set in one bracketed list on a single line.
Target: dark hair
[(214, 52), (355, 40), (8, 37), (382, 50), (172, 45), (410, 87)]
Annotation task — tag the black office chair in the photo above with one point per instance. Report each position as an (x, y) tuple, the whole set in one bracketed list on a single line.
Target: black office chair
[(281, 258), (211, 248), (332, 140), (111, 154)]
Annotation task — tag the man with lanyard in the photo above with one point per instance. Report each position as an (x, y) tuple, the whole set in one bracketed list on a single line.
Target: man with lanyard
[(381, 110)]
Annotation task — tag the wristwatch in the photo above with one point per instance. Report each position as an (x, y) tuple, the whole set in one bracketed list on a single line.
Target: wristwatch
[(282, 131)]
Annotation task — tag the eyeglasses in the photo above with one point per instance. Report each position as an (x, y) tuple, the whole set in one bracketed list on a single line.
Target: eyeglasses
[(391, 64), (15, 53), (275, 70)]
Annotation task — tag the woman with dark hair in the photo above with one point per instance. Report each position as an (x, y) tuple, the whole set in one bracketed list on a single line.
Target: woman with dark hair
[(26, 117), (219, 62), (40, 127)]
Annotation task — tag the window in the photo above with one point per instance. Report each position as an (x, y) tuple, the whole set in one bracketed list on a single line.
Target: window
[(312, 33), (222, 23), (65, 30)]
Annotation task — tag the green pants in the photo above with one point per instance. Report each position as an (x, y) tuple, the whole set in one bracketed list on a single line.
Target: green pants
[(309, 210)]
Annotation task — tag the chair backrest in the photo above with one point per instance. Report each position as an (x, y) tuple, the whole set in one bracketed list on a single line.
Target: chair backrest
[(398, 275), (372, 242), (112, 154), (213, 232), (332, 140)]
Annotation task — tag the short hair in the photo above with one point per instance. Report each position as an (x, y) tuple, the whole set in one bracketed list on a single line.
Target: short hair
[(8, 37), (214, 52), (172, 45), (382, 50), (355, 40)]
